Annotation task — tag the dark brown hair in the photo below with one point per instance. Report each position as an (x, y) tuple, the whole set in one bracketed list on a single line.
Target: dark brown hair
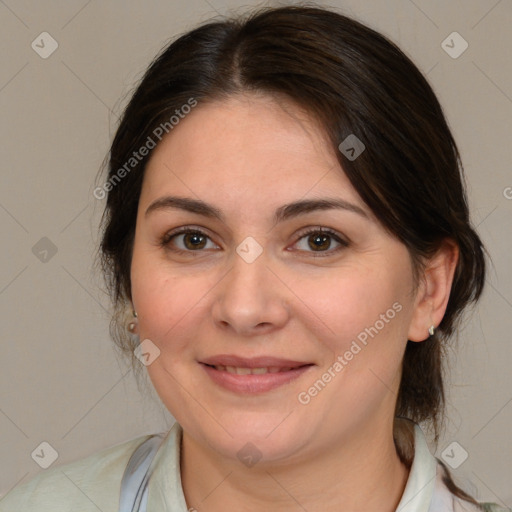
[(352, 80)]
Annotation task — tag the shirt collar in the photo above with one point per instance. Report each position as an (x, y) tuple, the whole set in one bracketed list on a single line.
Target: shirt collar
[(165, 490), (421, 483)]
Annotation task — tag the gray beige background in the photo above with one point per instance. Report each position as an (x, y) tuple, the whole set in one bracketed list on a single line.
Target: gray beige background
[(60, 379)]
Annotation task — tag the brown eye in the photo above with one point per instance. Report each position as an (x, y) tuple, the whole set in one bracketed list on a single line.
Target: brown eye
[(187, 240), (319, 242), (194, 241)]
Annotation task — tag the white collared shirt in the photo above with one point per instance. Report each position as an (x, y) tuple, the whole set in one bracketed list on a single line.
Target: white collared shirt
[(94, 483)]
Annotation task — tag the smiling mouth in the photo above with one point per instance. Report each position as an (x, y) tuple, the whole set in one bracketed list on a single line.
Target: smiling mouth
[(254, 371), (254, 381)]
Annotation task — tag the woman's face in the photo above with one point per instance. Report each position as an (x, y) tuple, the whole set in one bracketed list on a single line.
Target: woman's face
[(268, 270)]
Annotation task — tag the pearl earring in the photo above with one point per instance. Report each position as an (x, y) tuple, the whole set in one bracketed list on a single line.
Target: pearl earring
[(132, 325), (431, 330)]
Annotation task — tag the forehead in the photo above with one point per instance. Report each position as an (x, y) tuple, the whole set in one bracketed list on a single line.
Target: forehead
[(247, 142)]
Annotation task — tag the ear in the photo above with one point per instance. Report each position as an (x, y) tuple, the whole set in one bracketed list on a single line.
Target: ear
[(434, 290)]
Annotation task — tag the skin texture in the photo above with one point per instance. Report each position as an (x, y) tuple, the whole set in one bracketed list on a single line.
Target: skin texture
[(247, 156)]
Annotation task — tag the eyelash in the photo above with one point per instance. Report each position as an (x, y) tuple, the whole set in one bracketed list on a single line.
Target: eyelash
[(186, 230)]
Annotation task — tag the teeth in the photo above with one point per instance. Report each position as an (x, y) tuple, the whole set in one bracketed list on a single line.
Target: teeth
[(258, 371), (251, 371), (238, 371)]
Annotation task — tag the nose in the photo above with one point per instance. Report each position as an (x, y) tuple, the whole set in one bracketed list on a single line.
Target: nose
[(251, 299)]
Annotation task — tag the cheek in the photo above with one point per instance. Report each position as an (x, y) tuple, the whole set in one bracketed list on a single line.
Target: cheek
[(349, 302), (361, 335), (159, 304), (166, 303), (366, 340), (364, 316), (170, 309)]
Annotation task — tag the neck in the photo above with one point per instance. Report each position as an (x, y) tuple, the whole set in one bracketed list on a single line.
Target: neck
[(363, 473)]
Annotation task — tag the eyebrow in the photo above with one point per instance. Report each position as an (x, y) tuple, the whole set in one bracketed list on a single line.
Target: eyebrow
[(282, 213)]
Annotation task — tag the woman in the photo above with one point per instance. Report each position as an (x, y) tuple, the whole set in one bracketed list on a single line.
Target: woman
[(286, 222)]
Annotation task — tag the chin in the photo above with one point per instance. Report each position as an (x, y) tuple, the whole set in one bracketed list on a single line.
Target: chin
[(268, 439)]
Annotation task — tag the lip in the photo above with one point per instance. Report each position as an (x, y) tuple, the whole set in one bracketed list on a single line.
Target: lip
[(252, 362), (254, 384)]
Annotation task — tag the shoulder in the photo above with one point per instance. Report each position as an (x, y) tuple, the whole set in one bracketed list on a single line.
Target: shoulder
[(89, 484)]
